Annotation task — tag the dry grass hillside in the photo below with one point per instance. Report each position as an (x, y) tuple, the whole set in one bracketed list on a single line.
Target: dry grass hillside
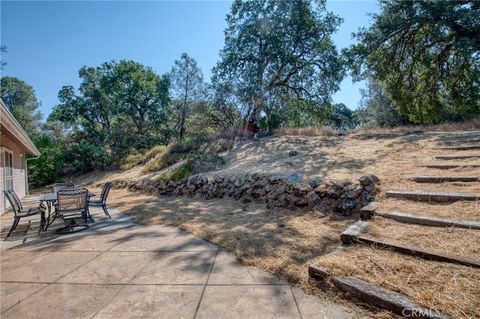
[(285, 242)]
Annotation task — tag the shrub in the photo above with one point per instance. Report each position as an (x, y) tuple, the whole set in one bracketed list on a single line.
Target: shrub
[(133, 160), (198, 164), (85, 156), (47, 167), (182, 171), (172, 154)]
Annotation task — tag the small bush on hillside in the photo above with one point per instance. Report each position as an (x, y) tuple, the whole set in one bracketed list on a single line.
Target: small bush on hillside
[(184, 170), (217, 146), (133, 160), (174, 153), (198, 164)]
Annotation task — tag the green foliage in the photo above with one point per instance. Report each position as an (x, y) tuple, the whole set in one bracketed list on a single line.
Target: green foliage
[(426, 55), (20, 99), (187, 87), (120, 105), (133, 160), (3, 49), (198, 148), (84, 157), (182, 171), (174, 153), (377, 109), (341, 117), (289, 111), (282, 47), (47, 167)]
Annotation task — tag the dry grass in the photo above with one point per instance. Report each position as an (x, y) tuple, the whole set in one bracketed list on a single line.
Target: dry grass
[(473, 124), (306, 131), (285, 242), (136, 159), (460, 242), (452, 289)]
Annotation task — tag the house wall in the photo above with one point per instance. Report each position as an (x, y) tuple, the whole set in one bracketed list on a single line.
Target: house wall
[(19, 171)]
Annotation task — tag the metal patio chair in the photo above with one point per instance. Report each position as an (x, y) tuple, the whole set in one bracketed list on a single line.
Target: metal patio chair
[(19, 212), (102, 202), (72, 204), (60, 186)]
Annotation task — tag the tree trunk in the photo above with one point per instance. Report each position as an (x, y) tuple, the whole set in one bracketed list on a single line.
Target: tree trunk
[(253, 121), (181, 125)]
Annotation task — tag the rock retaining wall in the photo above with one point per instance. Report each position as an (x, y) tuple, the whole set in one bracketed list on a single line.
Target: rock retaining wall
[(344, 197)]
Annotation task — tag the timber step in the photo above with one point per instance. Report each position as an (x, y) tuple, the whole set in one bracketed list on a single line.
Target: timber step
[(449, 166), (453, 157), (461, 147), (433, 196), (349, 238), (442, 179), (384, 298), (428, 220), (371, 294)]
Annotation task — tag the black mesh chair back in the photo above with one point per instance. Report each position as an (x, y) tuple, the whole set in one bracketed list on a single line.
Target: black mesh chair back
[(15, 197), (16, 206), (105, 191), (60, 186), (72, 204), (102, 201), (19, 212), (71, 200)]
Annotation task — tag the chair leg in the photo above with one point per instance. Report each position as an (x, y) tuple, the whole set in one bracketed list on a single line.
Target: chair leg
[(43, 222), (14, 225), (106, 211), (89, 216)]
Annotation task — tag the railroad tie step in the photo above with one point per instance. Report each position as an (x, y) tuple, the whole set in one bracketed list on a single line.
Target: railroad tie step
[(449, 166), (453, 157), (416, 251), (460, 147), (384, 298), (428, 220), (433, 196), (443, 179), (352, 233)]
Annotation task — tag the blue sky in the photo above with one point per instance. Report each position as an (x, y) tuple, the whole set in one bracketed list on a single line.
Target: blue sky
[(48, 42)]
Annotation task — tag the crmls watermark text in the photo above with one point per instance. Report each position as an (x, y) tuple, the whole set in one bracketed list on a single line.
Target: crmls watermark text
[(419, 313)]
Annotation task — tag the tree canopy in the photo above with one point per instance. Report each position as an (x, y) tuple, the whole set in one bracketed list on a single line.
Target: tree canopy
[(280, 47), (427, 55), (20, 99), (187, 87), (119, 104)]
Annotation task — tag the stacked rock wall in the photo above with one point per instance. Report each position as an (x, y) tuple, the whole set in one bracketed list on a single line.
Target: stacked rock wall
[(344, 197)]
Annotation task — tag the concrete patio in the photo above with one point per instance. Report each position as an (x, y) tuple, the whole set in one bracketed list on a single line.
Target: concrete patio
[(120, 270)]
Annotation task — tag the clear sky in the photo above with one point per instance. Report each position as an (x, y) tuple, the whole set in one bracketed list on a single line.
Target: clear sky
[(48, 42)]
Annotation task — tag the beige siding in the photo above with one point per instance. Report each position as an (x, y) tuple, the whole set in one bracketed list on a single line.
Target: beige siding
[(19, 172)]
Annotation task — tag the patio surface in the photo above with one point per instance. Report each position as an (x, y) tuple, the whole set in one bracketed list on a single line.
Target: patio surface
[(120, 270)]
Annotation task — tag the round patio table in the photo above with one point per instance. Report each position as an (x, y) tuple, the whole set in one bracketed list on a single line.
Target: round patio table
[(49, 199)]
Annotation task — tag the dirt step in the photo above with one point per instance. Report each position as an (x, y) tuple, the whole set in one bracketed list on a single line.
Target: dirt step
[(433, 196), (452, 157), (448, 166), (442, 179), (387, 299), (428, 220), (460, 147)]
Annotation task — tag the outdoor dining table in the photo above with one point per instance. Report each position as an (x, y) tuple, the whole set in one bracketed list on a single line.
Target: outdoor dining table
[(49, 199)]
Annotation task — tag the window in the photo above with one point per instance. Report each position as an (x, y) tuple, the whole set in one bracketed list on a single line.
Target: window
[(8, 160), (7, 172)]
